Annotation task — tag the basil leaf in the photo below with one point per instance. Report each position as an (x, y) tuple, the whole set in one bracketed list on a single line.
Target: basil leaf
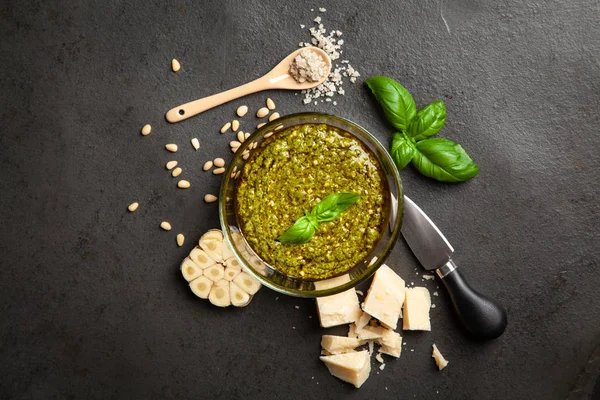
[(444, 160), (398, 105), (428, 121), (333, 205), (301, 232), (325, 210), (402, 150)]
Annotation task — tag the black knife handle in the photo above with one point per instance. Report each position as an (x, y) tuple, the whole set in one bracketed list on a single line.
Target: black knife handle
[(482, 316)]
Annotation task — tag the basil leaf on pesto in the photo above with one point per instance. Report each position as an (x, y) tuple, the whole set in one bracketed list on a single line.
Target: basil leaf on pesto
[(428, 121), (328, 209), (333, 205), (301, 232), (444, 160), (402, 150), (397, 103)]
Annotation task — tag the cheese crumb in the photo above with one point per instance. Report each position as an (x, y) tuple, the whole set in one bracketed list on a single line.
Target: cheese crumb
[(439, 358), (429, 277), (321, 9)]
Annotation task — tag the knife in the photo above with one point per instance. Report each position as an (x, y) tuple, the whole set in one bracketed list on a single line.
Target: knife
[(482, 316)]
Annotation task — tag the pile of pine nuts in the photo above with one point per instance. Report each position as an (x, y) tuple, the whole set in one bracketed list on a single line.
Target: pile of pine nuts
[(218, 163)]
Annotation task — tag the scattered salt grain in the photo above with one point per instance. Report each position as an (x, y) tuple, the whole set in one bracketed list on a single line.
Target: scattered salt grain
[(435, 293), (297, 307), (333, 47)]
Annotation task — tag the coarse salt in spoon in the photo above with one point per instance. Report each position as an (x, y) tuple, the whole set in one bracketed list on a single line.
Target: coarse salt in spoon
[(278, 78)]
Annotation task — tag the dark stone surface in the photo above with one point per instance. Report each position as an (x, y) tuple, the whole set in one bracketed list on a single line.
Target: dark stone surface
[(92, 303)]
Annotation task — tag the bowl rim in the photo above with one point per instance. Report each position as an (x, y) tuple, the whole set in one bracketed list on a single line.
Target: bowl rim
[(372, 268)]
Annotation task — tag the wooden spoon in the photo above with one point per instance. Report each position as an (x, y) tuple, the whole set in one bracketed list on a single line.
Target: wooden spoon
[(278, 78)]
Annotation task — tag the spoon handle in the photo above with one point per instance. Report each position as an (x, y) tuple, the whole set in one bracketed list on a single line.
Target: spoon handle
[(195, 107)]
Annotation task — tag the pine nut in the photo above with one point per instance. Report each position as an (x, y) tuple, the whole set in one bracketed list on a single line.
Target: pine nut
[(274, 116), (165, 225), (270, 104), (278, 127), (245, 156), (183, 184), (247, 135), (219, 162), (196, 143), (262, 112), (146, 129), (180, 239), (225, 127), (171, 164), (237, 174), (210, 198), (175, 66), (254, 145), (260, 125), (268, 135), (218, 171), (234, 149), (234, 143), (176, 172), (171, 147), (235, 124), (207, 165), (133, 206), (241, 111), (241, 137)]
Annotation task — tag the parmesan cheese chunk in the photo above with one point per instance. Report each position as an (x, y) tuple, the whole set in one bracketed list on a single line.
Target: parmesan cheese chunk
[(391, 343), (362, 321), (439, 358), (339, 309), (386, 296), (416, 309), (370, 332), (353, 367), (338, 344)]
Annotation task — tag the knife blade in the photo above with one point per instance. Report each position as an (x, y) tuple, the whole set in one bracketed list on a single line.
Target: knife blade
[(482, 316)]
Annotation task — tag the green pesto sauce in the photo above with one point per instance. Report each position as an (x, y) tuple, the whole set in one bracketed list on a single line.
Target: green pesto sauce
[(293, 171)]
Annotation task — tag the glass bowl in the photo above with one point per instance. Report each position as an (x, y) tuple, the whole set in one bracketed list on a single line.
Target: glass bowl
[(275, 279)]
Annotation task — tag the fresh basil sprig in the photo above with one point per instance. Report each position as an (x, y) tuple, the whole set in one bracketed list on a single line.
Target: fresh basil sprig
[(440, 159), (328, 209)]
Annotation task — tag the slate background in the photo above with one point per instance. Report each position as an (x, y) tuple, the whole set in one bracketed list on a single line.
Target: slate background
[(92, 303)]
